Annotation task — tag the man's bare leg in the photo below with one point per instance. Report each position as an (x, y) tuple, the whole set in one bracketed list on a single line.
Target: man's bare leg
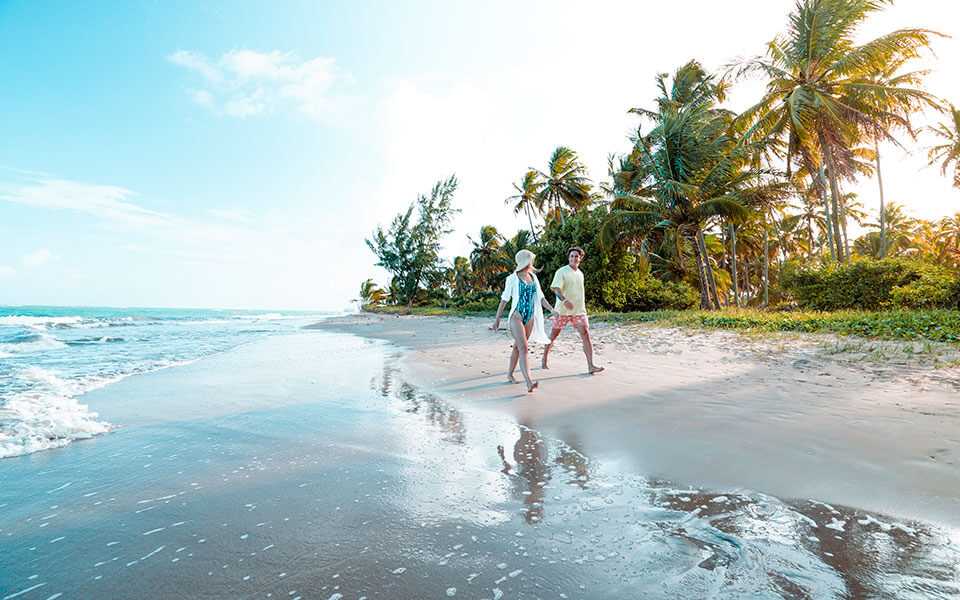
[(584, 332), (554, 333)]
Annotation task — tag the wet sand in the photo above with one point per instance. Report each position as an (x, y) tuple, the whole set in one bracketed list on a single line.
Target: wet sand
[(786, 416), (322, 465)]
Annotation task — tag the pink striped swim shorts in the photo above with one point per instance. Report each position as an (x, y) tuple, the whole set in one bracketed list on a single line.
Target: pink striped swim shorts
[(561, 321)]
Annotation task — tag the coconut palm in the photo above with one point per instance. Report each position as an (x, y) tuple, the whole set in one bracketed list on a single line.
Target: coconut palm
[(565, 183), (528, 198), (509, 250), (825, 92), (371, 294), (947, 153), (686, 173), (900, 238), (462, 276), (485, 256)]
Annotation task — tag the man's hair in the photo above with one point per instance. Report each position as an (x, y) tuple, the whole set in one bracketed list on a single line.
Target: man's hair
[(578, 250)]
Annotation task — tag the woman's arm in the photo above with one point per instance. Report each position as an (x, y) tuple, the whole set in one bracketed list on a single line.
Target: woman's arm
[(496, 322), (546, 304)]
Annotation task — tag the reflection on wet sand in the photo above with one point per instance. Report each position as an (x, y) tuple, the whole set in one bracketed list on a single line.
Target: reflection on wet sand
[(740, 543)]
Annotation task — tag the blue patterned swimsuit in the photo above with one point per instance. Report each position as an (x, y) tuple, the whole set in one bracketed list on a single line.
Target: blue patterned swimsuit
[(528, 293)]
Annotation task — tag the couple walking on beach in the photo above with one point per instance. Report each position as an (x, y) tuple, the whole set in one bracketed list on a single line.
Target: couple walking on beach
[(527, 301)]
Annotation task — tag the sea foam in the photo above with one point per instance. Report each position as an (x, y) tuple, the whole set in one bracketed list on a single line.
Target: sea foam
[(47, 415)]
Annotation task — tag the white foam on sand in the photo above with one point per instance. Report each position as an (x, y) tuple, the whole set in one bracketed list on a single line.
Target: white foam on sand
[(48, 415)]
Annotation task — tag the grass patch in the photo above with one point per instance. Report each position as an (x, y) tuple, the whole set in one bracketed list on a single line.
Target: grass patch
[(922, 325), (934, 325), (428, 311)]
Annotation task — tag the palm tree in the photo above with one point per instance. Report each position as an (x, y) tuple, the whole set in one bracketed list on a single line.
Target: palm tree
[(528, 197), (565, 183), (900, 239), (509, 249), (949, 233), (462, 276), (371, 294), (687, 172), (825, 92), (852, 208), (948, 152), (485, 256), (898, 117)]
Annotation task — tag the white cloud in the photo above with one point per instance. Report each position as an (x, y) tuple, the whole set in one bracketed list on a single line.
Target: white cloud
[(243, 83), (6, 271), (105, 201), (237, 215), (37, 258), (196, 62), (203, 98)]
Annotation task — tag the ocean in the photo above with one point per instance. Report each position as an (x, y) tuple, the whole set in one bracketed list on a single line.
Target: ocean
[(51, 356)]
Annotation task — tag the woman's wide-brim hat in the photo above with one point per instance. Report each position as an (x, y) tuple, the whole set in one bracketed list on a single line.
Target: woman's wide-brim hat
[(524, 259)]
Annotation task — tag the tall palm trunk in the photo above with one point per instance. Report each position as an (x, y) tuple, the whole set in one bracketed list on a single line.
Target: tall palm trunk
[(832, 174), (766, 261), (530, 219), (715, 298), (747, 288), (843, 225), (733, 264), (822, 189), (705, 303), (883, 217)]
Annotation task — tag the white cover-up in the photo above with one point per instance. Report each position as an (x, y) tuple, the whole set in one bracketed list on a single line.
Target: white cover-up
[(511, 293)]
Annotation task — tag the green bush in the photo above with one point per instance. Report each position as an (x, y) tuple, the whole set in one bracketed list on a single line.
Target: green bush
[(634, 289), (869, 284), (481, 303), (579, 229)]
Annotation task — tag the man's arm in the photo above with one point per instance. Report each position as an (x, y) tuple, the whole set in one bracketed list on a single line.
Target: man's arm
[(560, 297)]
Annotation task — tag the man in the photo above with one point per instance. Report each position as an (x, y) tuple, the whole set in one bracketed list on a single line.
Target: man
[(571, 307)]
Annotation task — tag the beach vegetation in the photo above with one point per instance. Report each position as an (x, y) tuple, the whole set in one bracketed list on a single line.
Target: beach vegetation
[(409, 249), (731, 212)]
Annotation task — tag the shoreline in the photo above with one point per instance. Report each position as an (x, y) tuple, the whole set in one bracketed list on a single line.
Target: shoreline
[(715, 408), (317, 465)]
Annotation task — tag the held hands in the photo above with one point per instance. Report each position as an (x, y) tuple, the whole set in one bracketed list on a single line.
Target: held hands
[(568, 305), (495, 326)]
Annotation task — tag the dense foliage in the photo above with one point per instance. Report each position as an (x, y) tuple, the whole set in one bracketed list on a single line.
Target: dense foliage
[(872, 285), (716, 208)]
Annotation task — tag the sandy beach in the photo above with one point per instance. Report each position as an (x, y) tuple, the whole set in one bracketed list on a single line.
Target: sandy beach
[(384, 458), (791, 416)]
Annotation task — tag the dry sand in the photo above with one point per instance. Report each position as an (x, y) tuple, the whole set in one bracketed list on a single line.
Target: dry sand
[(836, 420)]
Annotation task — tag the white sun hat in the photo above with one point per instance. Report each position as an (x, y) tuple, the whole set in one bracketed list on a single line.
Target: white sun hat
[(524, 259)]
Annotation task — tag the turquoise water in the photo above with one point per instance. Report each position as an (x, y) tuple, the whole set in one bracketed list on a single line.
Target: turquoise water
[(51, 356)]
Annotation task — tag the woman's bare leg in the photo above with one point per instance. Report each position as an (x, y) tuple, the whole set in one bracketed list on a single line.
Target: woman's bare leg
[(514, 357), (520, 343)]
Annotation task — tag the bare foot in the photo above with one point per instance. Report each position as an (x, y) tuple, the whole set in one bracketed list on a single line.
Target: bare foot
[(595, 370), (533, 386), (512, 379), (543, 365)]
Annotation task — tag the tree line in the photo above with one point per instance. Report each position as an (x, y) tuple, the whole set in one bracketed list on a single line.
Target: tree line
[(709, 206)]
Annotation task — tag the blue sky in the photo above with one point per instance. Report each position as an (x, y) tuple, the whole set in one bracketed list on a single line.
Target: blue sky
[(235, 154)]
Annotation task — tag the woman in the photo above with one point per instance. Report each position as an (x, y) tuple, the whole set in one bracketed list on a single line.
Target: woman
[(522, 290)]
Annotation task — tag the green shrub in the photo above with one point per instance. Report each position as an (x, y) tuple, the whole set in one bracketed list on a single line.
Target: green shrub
[(869, 284), (484, 303), (634, 289)]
